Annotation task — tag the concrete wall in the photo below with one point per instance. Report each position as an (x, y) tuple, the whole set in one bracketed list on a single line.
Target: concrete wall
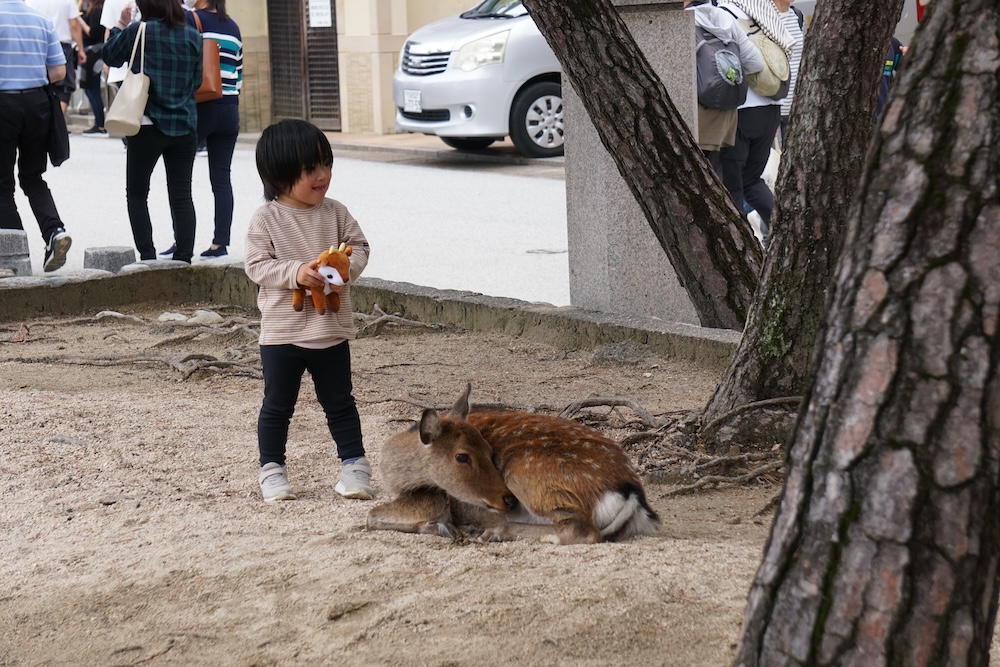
[(87, 293), (616, 264)]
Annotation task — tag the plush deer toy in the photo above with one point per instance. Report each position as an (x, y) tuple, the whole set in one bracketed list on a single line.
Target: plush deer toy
[(335, 266)]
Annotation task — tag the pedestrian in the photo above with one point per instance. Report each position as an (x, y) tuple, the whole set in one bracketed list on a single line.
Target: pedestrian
[(65, 17), (757, 123), (110, 14), (173, 64), (30, 57), (284, 240), (717, 127), (219, 120), (90, 78), (794, 22), (892, 59)]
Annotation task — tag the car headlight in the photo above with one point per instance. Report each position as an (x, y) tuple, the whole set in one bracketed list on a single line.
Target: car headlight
[(484, 51)]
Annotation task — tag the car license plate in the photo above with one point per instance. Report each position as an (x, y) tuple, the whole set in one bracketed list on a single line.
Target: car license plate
[(411, 101)]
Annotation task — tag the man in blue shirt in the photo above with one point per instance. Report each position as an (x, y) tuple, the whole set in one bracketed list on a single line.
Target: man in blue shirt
[(30, 57)]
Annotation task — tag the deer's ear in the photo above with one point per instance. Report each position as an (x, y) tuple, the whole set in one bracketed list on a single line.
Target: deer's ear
[(430, 426), (461, 407)]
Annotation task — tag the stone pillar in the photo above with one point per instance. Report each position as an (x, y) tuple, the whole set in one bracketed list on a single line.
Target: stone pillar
[(616, 264), (14, 255), (108, 258)]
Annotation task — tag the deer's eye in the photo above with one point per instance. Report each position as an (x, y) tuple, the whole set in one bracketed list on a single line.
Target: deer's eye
[(462, 458)]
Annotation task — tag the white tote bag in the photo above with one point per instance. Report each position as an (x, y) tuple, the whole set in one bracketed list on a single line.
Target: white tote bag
[(125, 115)]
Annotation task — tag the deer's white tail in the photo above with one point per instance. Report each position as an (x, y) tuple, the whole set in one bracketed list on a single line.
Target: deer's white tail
[(624, 513)]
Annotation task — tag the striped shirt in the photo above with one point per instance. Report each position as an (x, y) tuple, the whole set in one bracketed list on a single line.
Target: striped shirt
[(173, 65), (279, 240), (227, 34), (791, 21), (28, 44)]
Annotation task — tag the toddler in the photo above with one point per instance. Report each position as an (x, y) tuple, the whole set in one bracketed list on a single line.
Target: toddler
[(285, 237)]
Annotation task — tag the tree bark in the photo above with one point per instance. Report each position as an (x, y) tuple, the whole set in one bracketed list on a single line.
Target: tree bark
[(885, 546), (712, 249), (830, 131)]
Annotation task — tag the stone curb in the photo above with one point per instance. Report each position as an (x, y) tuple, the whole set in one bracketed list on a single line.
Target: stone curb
[(566, 327), (399, 144)]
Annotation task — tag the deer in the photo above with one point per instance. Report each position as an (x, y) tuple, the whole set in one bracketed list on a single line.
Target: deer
[(508, 475)]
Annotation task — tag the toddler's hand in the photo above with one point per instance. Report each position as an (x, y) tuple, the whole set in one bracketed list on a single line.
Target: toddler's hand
[(308, 277)]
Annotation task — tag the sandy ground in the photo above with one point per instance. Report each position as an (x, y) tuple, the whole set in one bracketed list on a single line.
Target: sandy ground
[(134, 532)]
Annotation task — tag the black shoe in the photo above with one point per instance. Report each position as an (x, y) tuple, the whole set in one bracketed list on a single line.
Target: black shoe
[(56, 249), (169, 252), (215, 253), (95, 132)]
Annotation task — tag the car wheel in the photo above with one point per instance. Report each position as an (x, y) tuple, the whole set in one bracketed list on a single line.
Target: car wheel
[(536, 120), (468, 143)]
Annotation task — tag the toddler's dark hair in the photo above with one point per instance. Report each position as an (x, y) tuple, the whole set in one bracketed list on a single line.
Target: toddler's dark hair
[(285, 150)]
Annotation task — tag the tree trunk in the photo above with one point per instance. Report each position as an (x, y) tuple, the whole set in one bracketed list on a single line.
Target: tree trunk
[(711, 248), (886, 542), (830, 131)]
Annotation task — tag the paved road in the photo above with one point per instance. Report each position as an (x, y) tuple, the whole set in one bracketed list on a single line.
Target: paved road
[(495, 225)]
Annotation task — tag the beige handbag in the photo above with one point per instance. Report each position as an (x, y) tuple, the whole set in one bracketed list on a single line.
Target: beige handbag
[(771, 82), (125, 115)]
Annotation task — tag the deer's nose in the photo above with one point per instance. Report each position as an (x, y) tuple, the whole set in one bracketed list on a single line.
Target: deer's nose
[(510, 500)]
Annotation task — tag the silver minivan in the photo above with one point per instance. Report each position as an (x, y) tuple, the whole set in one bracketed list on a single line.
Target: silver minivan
[(478, 77)]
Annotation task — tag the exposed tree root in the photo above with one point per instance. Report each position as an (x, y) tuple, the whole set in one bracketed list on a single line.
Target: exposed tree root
[(18, 335), (243, 330), (101, 316), (240, 359), (644, 415), (379, 319), (187, 364), (642, 436), (772, 422), (709, 429), (706, 464), (721, 479)]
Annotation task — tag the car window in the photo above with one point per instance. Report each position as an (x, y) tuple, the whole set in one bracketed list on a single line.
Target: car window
[(496, 9)]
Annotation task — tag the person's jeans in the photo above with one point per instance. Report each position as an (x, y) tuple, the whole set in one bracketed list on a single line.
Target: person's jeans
[(24, 139), (330, 369), (743, 163), (218, 130), (93, 92), (144, 150)]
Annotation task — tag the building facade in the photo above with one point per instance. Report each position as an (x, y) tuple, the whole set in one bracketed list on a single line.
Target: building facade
[(328, 61)]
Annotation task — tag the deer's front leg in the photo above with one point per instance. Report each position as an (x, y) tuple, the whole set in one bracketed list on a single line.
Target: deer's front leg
[(422, 512)]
